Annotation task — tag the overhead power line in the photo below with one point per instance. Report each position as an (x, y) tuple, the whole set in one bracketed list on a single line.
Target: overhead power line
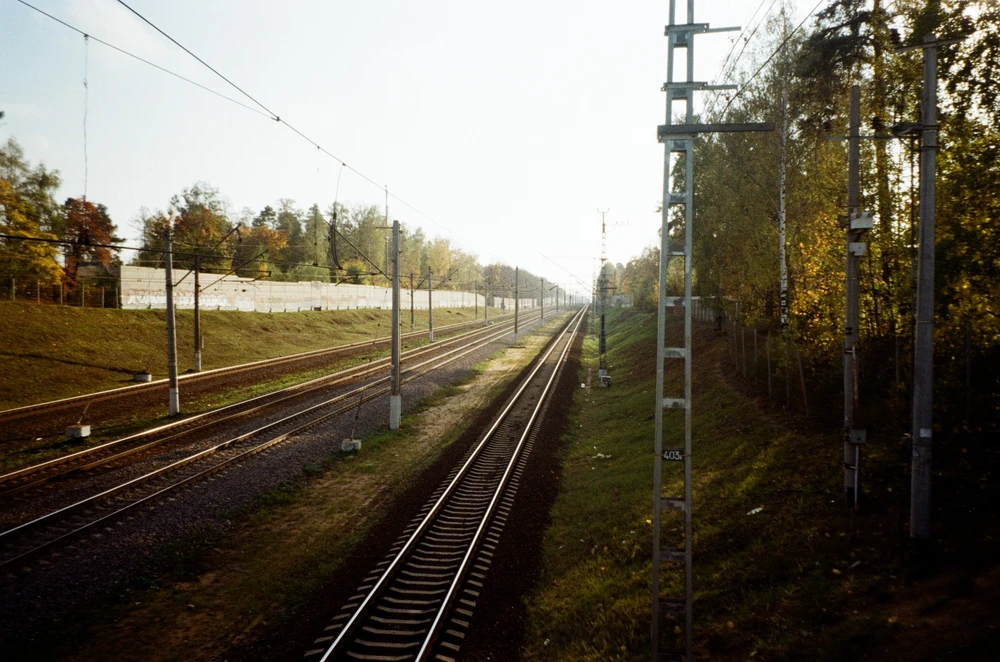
[(746, 42), (212, 69), (261, 109), (140, 59), (277, 118), (771, 56)]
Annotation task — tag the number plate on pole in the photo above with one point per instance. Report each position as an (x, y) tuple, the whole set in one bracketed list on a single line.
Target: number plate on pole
[(673, 454)]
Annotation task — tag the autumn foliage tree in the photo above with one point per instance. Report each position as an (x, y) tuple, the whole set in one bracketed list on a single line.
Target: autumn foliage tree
[(28, 210), (88, 226)]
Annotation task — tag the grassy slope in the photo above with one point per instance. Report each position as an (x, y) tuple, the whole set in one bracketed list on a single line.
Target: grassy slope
[(801, 579), (49, 352)]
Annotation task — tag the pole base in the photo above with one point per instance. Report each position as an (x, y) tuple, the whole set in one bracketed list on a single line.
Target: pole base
[(395, 411), (197, 361), (849, 497), (175, 402)]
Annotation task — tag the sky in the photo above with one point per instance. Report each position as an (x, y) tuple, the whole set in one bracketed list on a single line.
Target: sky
[(509, 125)]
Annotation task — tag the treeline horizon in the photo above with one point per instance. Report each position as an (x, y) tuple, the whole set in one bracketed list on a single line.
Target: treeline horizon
[(282, 242)]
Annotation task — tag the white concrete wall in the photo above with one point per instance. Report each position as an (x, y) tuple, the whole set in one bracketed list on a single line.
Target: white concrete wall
[(144, 287)]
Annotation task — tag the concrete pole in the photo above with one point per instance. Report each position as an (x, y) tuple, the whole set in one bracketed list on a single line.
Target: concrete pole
[(411, 302), (475, 296), (395, 399), (430, 306), (62, 290), (38, 292), (486, 302), (923, 354), (197, 314), (542, 299), (851, 318), (517, 303), (175, 404)]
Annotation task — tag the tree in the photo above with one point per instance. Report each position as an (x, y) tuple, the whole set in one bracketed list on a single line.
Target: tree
[(254, 251), (27, 209), (24, 259), (642, 279), (316, 237), (289, 222), (87, 224), (200, 224)]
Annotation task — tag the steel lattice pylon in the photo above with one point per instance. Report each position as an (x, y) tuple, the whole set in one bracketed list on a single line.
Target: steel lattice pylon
[(678, 140)]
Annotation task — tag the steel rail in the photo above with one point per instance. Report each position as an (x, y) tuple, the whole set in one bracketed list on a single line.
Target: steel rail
[(294, 391), (420, 369), (501, 487), (15, 413), (361, 610)]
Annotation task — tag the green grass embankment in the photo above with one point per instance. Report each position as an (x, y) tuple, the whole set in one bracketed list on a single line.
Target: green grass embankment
[(782, 570), (49, 352)]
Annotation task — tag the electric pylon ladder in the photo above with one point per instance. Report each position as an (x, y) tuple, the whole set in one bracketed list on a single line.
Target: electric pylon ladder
[(678, 140)]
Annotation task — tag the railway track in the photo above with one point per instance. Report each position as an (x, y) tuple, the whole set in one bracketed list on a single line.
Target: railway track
[(417, 603), (32, 538), (24, 479), (81, 403)]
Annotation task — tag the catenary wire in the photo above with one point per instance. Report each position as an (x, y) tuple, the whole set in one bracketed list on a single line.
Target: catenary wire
[(771, 56), (277, 118), (746, 42), (141, 59), (262, 113)]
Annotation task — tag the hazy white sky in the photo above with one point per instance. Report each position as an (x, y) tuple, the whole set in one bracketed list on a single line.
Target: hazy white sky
[(508, 123)]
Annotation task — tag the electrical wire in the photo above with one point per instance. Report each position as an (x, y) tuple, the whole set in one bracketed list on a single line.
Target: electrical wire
[(140, 59), (86, 110), (746, 42), (771, 56), (264, 113), (212, 69), (278, 119)]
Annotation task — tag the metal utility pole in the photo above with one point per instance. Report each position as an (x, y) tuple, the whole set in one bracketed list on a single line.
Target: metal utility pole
[(475, 296), (197, 314), (542, 295), (174, 395), (783, 263), (923, 350), (430, 306), (678, 140), (486, 301), (411, 302), (517, 303), (395, 399), (853, 437)]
